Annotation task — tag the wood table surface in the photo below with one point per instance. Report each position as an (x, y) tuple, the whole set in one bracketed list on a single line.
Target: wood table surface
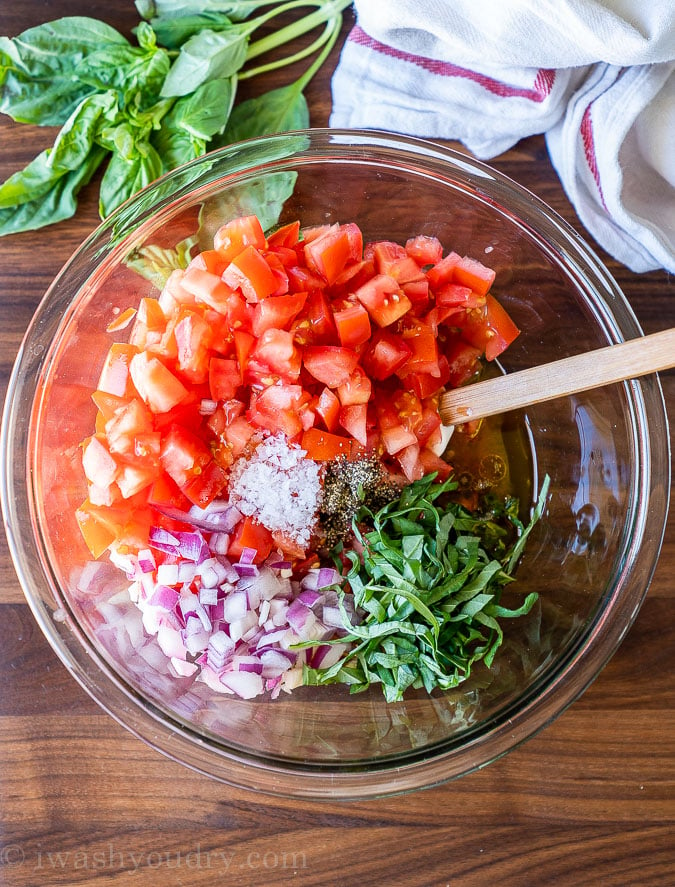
[(589, 801)]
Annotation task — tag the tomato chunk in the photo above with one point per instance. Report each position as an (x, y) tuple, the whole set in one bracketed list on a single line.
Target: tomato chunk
[(330, 364)]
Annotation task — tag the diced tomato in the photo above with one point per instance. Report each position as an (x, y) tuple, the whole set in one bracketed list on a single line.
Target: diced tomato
[(130, 420), (353, 325), (277, 351), (316, 325), (204, 487), (237, 434), (353, 420), (115, 378), (238, 314), (383, 299), (213, 260), (278, 269), (147, 448), (100, 526), (458, 296), (424, 384), (134, 478), (279, 334), (443, 271), (250, 272), (277, 408), (174, 293), (393, 260), (289, 546), (491, 330), (463, 360), (108, 404), (277, 312), (149, 325), (322, 446), (472, 273), (193, 340), (249, 533), (431, 462), (183, 455), (330, 364), (165, 493), (287, 235), (421, 340), (426, 431), (328, 253), (357, 389), (301, 279), (395, 438), (231, 238), (224, 378), (156, 384), (386, 353), (327, 408), (410, 462), (424, 250), (418, 293), (99, 465), (244, 343), (207, 287)]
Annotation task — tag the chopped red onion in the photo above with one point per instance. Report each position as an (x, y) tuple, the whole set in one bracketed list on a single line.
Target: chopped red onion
[(300, 617), (164, 597), (247, 685), (247, 555), (332, 617), (235, 606), (247, 663), (208, 595), (308, 597), (246, 569), (146, 561), (219, 543), (167, 574), (158, 536), (327, 576)]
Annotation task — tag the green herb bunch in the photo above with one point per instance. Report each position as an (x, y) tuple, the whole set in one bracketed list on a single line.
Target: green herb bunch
[(428, 583), (146, 108)]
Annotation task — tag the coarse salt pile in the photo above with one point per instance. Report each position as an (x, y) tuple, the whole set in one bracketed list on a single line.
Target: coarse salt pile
[(279, 486)]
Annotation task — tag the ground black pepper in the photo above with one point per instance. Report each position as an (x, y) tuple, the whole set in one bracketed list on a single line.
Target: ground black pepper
[(347, 486)]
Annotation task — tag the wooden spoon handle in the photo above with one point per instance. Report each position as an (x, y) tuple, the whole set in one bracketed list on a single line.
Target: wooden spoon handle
[(592, 369)]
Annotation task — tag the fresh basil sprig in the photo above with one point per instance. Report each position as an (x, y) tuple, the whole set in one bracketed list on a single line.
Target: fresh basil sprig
[(428, 586), (147, 108)]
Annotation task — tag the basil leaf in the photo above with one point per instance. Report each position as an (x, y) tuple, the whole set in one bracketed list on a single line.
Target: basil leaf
[(173, 32), (205, 113), (176, 146), (209, 55), (236, 9), (38, 69), (71, 148), (157, 263), (123, 177), (278, 110), (54, 205)]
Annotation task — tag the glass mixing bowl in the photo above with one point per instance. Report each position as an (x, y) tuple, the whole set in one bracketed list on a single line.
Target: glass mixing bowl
[(590, 557)]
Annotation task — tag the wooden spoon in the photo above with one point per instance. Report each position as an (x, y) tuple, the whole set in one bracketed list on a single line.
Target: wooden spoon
[(592, 369)]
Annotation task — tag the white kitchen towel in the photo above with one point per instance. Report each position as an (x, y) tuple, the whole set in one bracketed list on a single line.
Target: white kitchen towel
[(598, 78)]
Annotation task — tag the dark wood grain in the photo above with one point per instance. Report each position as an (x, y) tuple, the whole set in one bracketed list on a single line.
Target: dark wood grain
[(589, 801)]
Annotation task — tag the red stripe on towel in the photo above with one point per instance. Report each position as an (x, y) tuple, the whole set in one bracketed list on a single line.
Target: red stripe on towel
[(541, 88), (586, 130)]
